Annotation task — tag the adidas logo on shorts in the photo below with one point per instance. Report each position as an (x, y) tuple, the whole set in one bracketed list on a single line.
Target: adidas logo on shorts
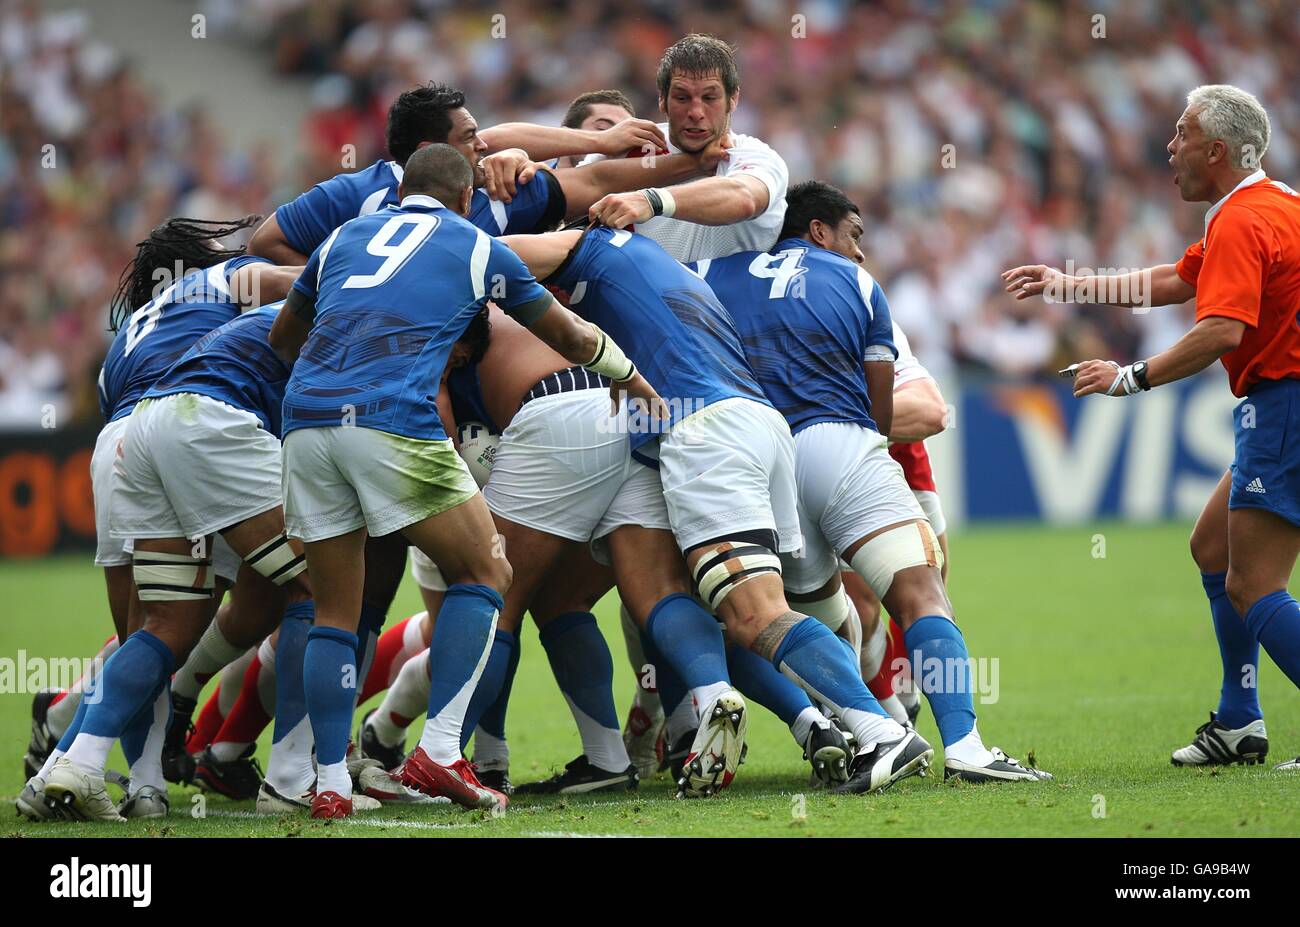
[(1255, 486)]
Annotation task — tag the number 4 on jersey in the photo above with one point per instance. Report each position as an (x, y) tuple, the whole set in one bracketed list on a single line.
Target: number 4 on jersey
[(782, 267)]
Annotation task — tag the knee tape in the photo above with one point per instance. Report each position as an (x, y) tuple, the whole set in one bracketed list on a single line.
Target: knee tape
[(730, 564), (896, 549), (276, 560), (163, 577)]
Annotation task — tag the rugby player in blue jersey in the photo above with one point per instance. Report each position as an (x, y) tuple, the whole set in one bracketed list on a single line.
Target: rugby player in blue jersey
[(817, 331), (511, 194), (726, 463), (156, 324), (199, 457), (371, 322)]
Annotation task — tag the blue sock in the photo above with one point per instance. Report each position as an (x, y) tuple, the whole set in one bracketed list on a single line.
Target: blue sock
[(491, 687), (938, 654), (1275, 622), (330, 680), (812, 655), (290, 656), (79, 717), (759, 680), (671, 687), (689, 639), (582, 665), (137, 729), (458, 654), (1238, 649), (493, 720), (131, 680)]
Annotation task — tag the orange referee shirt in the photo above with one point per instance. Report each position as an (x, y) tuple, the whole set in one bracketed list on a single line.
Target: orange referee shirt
[(1247, 267)]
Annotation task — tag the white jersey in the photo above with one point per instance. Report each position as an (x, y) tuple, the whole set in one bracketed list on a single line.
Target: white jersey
[(690, 241), (906, 368)]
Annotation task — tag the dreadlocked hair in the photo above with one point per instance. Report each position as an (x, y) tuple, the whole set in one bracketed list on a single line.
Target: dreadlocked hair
[(178, 246)]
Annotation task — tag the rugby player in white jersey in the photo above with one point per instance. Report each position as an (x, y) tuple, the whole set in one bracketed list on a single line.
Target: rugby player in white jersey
[(740, 207)]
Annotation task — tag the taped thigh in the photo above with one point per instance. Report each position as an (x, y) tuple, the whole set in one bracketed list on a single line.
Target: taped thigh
[(729, 565), (163, 577), (899, 548)]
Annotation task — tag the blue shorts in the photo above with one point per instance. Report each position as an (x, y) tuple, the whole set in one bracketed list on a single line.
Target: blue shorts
[(1266, 465)]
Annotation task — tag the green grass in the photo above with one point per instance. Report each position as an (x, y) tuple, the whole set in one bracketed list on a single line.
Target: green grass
[(1105, 666)]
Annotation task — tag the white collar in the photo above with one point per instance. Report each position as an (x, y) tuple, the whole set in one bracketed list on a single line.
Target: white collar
[(422, 199), (1246, 182)]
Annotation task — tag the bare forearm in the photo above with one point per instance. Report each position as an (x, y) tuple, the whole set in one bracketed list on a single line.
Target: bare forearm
[(1208, 341), (717, 201), (541, 142), (1151, 286), (585, 185)]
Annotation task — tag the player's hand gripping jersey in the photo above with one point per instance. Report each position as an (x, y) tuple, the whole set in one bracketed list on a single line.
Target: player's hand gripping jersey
[(808, 318), (690, 241), (306, 221)]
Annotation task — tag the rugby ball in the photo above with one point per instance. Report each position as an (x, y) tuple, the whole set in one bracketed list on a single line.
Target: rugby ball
[(478, 448)]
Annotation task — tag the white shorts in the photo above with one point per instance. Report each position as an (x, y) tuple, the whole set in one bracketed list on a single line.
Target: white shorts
[(109, 551), (561, 467), (933, 509), (425, 572), (192, 466), (342, 478), (730, 468), (849, 487)]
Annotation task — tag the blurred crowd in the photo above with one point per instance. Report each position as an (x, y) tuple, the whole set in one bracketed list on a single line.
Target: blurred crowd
[(974, 134)]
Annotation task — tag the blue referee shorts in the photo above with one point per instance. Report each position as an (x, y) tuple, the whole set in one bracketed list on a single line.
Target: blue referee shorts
[(1266, 465)]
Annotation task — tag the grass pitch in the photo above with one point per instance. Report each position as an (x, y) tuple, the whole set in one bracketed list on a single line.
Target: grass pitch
[(1104, 666)]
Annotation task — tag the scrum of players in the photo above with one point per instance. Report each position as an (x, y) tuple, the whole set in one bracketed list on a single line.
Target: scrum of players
[(691, 393)]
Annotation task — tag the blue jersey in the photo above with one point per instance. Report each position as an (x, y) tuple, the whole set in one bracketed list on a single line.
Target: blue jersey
[(163, 329), (467, 402), (236, 365), (538, 206), (665, 319), (808, 318), (392, 293)]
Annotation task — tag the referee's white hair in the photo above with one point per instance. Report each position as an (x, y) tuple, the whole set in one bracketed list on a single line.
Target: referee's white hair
[(1236, 118)]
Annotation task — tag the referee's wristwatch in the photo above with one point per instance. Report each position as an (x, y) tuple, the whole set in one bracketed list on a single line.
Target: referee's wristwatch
[(1140, 375)]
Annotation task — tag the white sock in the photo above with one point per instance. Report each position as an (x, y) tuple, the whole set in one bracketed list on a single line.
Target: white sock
[(147, 770), (90, 752), (333, 777), (62, 712), (703, 695), (289, 770), (645, 699), (440, 739), (970, 749), (406, 698), (232, 680), (209, 656), (603, 745), (490, 752), (49, 763), (870, 728), (683, 718), (412, 641), (803, 725)]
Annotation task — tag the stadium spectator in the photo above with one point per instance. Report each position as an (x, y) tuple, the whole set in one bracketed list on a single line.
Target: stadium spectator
[(1057, 136)]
